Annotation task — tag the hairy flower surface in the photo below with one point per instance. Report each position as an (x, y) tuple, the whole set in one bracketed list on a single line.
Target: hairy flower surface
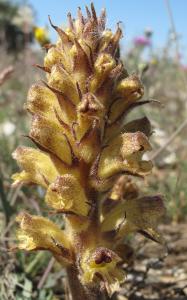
[(84, 146)]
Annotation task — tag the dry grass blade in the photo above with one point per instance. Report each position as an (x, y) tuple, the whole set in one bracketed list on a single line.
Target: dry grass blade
[(46, 273), (171, 138)]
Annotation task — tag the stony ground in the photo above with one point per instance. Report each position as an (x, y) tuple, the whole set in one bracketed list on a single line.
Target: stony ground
[(155, 274)]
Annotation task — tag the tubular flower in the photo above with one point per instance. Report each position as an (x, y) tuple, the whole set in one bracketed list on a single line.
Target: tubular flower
[(102, 264), (84, 146), (40, 233)]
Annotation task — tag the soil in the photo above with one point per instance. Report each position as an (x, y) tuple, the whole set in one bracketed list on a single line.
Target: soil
[(159, 273)]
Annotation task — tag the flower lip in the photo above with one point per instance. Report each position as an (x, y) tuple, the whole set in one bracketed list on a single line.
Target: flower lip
[(102, 256)]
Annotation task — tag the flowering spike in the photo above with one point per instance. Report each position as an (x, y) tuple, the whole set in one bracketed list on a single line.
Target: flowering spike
[(87, 148)]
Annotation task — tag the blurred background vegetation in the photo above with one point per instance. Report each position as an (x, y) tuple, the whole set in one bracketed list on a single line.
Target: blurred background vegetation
[(24, 276)]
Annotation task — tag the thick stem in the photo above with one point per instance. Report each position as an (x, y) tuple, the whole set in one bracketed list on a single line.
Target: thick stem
[(79, 292)]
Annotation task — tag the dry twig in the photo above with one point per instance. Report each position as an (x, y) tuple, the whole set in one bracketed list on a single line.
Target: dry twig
[(46, 273), (5, 74), (170, 139)]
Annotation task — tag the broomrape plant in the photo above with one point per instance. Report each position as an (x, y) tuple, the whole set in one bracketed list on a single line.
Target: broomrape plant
[(85, 155)]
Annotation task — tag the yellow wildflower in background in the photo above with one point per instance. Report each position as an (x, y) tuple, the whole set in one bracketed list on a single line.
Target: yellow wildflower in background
[(41, 35)]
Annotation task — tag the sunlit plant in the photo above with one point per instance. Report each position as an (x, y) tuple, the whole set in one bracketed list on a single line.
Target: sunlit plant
[(86, 157)]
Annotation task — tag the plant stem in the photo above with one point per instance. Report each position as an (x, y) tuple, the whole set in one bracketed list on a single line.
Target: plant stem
[(79, 292), (5, 204)]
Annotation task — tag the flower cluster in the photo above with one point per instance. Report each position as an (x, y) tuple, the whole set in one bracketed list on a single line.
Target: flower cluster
[(86, 152)]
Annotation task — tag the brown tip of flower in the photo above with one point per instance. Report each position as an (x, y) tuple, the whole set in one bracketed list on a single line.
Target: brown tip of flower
[(48, 46), (43, 68), (70, 21), (93, 12), (80, 16), (64, 37), (102, 19), (88, 12)]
